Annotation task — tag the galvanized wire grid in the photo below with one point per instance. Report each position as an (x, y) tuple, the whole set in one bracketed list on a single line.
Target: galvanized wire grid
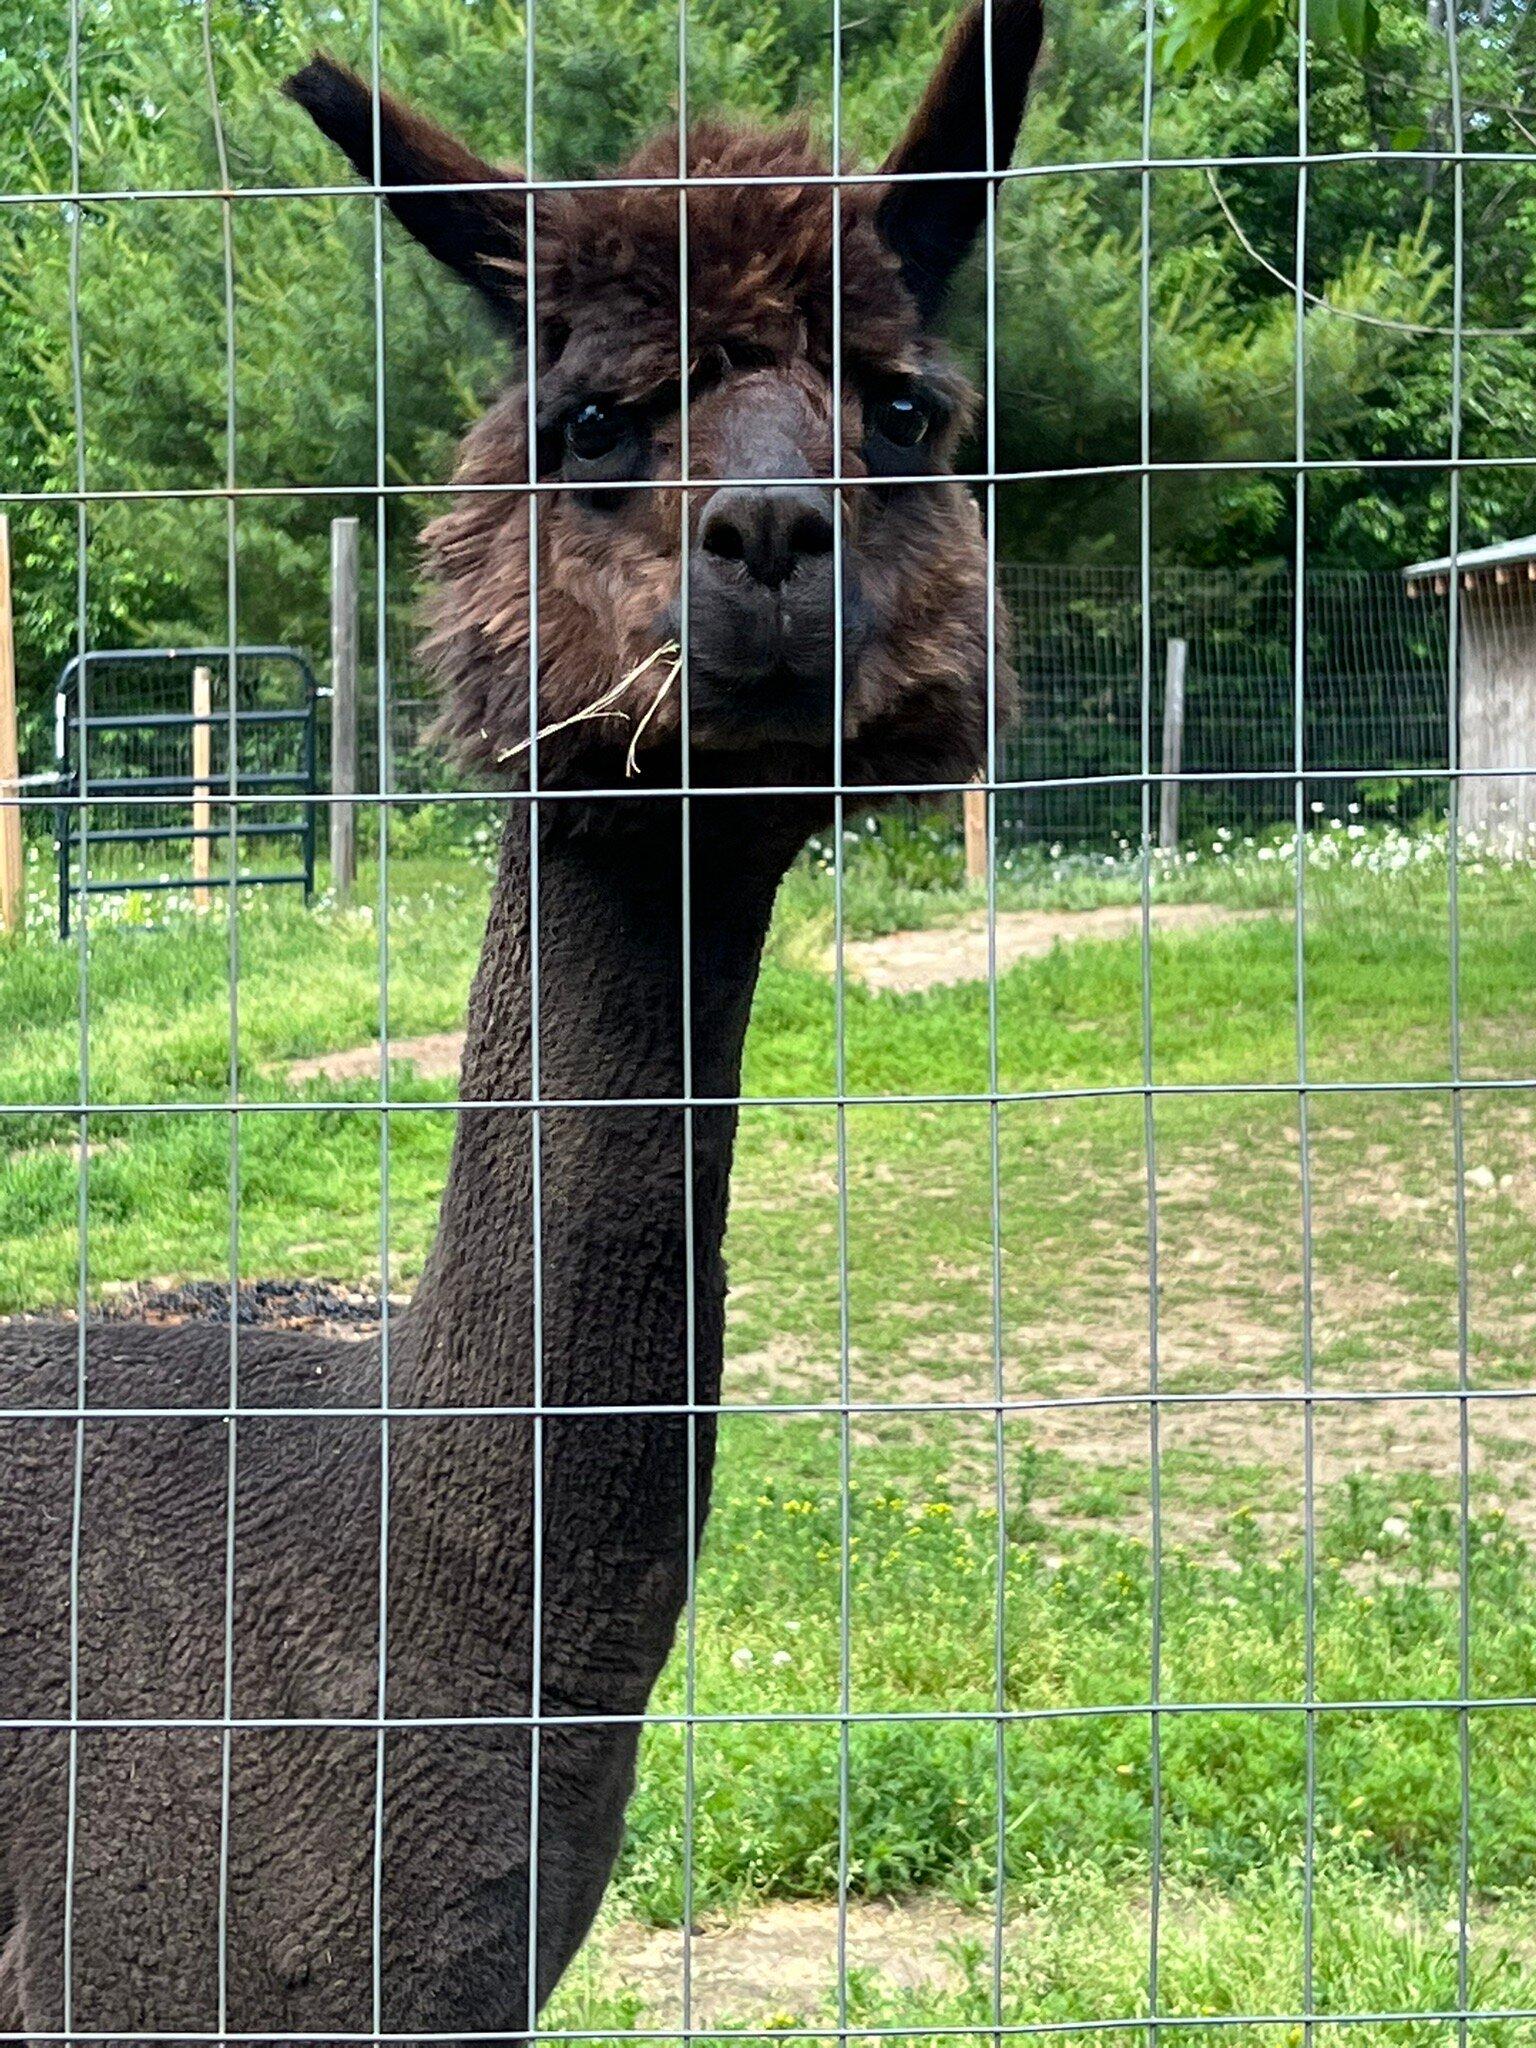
[(1375, 704), (1141, 781)]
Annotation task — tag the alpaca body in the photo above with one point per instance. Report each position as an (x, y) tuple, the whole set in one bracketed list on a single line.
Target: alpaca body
[(550, 1390), (454, 1900)]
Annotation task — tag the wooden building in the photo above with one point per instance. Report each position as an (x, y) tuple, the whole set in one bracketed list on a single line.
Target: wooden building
[(1496, 589)]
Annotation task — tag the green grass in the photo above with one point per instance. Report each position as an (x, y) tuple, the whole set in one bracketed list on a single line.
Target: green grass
[(1078, 1842), (1223, 1010), (1079, 1953), (922, 1591), (1074, 1553)]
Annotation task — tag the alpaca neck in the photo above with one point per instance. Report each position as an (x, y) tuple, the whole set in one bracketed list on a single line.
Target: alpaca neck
[(605, 1317)]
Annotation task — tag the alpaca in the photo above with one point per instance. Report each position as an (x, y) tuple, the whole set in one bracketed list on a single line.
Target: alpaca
[(162, 1822)]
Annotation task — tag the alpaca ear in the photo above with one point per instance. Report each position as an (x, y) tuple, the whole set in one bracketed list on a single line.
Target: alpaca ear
[(477, 234), (931, 226)]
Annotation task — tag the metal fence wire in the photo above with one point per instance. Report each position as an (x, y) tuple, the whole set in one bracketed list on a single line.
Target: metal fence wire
[(1289, 706), (1377, 697)]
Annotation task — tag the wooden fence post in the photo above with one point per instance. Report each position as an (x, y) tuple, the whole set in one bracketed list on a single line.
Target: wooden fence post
[(1173, 744), (202, 775), (343, 706), (13, 897), (974, 803)]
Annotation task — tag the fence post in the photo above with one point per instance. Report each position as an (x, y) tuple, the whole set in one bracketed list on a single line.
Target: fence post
[(1173, 744), (13, 903), (974, 803), (202, 775), (343, 706)]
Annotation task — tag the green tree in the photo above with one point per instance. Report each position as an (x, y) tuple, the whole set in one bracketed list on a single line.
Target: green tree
[(1220, 292)]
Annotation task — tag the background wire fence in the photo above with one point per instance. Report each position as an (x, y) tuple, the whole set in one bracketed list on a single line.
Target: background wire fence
[(1377, 706), (1376, 698)]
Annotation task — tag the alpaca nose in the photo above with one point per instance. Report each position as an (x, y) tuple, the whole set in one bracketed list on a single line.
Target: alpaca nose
[(769, 530)]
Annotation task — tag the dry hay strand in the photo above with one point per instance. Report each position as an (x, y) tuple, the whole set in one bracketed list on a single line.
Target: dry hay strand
[(603, 706)]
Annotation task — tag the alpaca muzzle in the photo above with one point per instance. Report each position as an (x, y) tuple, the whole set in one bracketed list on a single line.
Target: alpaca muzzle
[(763, 648)]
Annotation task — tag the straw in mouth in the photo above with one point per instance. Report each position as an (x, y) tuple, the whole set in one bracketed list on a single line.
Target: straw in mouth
[(631, 763), (603, 706)]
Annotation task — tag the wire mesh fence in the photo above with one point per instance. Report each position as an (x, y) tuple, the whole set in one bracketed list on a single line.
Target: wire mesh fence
[(417, 1589), (1377, 709), (1376, 701), (1377, 705)]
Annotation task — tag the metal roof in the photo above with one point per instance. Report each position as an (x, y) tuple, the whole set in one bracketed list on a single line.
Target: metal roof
[(1496, 557)]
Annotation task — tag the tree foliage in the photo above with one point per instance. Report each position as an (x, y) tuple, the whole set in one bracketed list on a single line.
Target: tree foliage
[(148, 275)]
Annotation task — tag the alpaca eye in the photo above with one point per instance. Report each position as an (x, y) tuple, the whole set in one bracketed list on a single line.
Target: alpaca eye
[(903, 421), (593, 430)]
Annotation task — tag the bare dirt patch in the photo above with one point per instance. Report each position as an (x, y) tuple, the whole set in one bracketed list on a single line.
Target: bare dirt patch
[(333, 1308), (777, 1964), (1364, 1437), (906, 961), (435, 1056), (780, 1961)]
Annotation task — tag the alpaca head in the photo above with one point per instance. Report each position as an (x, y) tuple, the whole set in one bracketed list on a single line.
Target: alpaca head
[(733, 483)]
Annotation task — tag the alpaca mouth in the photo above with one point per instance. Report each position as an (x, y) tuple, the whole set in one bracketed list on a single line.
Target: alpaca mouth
[(783, 705), (762, 665)]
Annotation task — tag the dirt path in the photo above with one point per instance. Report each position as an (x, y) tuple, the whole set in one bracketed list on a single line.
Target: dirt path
[(435, 1056), (900, 962), (780, 1961), (906, 961)]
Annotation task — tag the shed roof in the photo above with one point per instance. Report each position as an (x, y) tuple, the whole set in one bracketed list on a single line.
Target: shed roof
[(1499, 556)]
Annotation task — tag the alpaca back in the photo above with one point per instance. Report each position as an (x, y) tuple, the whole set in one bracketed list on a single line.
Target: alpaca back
[(150, 1649), (289, 1843)]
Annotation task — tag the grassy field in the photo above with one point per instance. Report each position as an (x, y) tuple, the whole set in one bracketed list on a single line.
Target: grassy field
[(1202, 1809)]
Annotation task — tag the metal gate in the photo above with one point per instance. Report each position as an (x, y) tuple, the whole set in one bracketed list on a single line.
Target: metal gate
[(159, 740)]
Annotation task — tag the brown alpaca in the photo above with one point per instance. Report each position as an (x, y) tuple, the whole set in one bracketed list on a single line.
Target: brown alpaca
[(536, 1568), (759, 341)]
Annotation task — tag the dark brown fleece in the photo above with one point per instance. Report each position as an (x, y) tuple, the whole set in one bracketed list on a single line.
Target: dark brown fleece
[(759, 305), (535, 1572)]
